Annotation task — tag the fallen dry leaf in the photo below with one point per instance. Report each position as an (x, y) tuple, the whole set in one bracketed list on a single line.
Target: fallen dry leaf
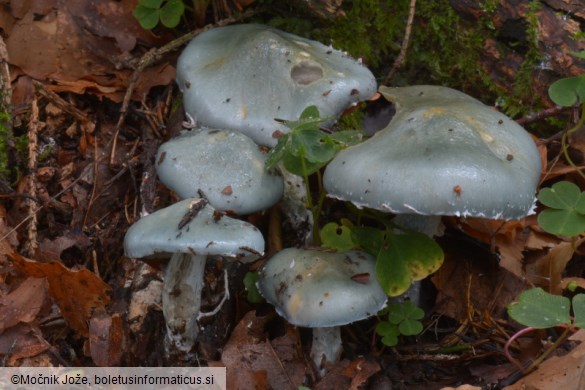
[(78, 293), (80, 45), (24, 303), (346, 374), (106, 339), (548, 270), (22, 341), (256, 363), (559, 372), (510, 239)]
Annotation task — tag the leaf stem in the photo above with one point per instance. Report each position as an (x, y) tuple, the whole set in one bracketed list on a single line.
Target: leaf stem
[(565, 137), (310, 205), (543, 356)]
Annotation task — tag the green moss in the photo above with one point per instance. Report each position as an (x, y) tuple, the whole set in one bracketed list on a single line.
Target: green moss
[(521, 99), (351, 121), (371, 30)]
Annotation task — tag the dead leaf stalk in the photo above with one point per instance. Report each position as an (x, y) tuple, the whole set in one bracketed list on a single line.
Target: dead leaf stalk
[(33, 127)]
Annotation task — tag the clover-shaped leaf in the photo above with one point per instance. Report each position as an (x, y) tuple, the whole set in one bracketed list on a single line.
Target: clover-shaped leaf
[(337, 237), (566, 215), (538, 309), (150, 12), (368, 238), (407, 316), (568, 91), (405, 258), (389, 333)]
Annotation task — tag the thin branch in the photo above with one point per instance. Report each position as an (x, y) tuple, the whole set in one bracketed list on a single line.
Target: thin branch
[(536, 116), (31, 243), (402, 55)]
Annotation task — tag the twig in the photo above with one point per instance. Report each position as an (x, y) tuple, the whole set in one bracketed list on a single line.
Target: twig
[(33, 127), (64, 105), (54, 197), (154, 55), (402, 55), (536, 116)]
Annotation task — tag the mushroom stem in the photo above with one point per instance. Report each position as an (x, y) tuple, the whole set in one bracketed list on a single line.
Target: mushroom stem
[(181, 299), (427, 224), (326, 347)]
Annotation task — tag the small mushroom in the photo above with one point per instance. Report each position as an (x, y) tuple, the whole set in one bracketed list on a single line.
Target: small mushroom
[(188, 232), (226, 166), (243, 77), (322, 290)]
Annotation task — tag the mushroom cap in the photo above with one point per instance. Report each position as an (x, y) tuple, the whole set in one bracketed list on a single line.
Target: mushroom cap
[(170, 230), (242, 77), (443, 153), (316, 289), (227, 166)]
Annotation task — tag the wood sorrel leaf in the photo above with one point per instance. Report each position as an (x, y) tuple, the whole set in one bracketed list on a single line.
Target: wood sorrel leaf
[(566, 216), (405, 258), (538, 309), (568, 91), (579, 310), (337, 237)]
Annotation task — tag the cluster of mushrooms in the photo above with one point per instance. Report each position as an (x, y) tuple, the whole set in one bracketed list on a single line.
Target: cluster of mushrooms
[(443, 153)]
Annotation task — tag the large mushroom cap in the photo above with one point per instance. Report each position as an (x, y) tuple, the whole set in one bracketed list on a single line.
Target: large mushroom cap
[(192, 227), (241, 77), (314, 289), (227, 166), (444, 153)]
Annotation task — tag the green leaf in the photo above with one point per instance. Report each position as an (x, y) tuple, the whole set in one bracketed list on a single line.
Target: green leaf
[(562, 222), (309, 119), (346, 138), (171, 13), (310, 113), (579, 54), (277, 153), (399, 312), (253, 295), (407, 316), (337, 237), (311, 145), (579, 310), (368, 238), (155, 4), (405, 258), (300, 166), (147, 17), (538, 309), (568, 91), (567, 216), (410, 327), (563, 195), (389, 333)]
